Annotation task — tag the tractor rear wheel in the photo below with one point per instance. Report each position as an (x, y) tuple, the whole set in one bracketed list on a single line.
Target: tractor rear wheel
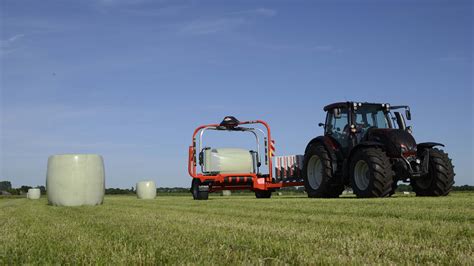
[(440, 177), (394, 187), (199, 191), (319, 181), (371, 173), (263, 194)]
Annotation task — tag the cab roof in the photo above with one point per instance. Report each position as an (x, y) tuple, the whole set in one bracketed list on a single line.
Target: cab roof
[(346, 104)]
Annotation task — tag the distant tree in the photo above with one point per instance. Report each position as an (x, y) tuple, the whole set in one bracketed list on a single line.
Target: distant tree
[(463, 188), (117, 191), (24, 188), (42, 189), (14, 191), (5, 185), (403, 187)]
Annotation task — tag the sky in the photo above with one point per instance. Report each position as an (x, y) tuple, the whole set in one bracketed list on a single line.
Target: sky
[(131, 79)]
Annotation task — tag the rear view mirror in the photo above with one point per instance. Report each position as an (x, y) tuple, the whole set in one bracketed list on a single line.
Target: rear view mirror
[(408, 114), (321, 124), (337, 112), (400, 121)]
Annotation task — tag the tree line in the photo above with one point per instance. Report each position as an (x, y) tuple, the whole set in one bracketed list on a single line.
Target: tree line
[(6, 186)]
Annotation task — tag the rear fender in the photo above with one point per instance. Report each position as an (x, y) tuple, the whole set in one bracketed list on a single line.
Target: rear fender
[(330, 145), (327, 142)]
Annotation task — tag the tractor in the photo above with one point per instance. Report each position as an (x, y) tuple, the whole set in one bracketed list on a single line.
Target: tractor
[(369, 147)]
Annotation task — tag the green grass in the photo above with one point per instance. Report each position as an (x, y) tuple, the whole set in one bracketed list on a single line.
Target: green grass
[(240, 229)]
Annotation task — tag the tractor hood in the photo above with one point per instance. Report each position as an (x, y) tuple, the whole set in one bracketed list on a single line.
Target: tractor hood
[(396, 141)]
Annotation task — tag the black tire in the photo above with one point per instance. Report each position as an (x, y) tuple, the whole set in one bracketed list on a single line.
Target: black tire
[(319, 181), (263, 194), (394, 188), (199, 193), (440, 178), (371, 173)]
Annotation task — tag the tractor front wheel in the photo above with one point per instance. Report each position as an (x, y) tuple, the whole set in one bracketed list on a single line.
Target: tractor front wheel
[(199, 191), (440, 177), (371, 173)]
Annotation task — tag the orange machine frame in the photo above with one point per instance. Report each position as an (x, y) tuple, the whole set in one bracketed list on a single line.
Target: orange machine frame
[(237, 181)]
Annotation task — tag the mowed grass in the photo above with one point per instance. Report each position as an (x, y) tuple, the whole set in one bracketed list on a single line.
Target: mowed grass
[(240, 229)]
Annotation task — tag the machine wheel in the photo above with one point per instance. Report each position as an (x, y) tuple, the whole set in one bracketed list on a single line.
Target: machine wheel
[(440, 177), (371, 173), (263, 194), (319, 181), (199, 192)]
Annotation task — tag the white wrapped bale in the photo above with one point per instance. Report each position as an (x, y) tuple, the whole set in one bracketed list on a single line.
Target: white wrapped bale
[(146, 190), (75, 180), (33, 193), (226, 193), (228, 161)]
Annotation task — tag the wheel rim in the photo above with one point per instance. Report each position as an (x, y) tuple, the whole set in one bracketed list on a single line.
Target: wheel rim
[(362, 175), (315, 176)]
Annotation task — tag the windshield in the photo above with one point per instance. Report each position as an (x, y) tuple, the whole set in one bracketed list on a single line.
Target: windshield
[(371, 116)]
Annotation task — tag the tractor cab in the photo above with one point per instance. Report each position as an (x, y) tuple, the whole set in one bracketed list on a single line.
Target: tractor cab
[(349, 123)]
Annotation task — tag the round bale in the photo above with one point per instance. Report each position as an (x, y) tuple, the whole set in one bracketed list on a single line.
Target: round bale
[(33, 193), (146, 190), (75, 180)]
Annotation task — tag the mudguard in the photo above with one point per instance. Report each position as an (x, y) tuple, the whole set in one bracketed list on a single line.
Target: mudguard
[(330, 146), (428, 145), (326, 141), (364, 144), (369, 143)]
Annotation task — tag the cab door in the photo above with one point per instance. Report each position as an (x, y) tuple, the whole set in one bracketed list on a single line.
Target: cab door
[(337, 126)]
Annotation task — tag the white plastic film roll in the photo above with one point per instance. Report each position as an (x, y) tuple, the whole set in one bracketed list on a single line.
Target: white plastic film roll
[(146, 189), (75, 180), (228, 160), (33, 193)]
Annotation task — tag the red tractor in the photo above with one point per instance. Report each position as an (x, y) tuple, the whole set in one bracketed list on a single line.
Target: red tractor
[(233, 168), (368, 147)]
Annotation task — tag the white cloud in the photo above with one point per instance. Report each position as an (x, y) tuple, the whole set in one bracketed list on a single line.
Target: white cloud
[(7, 46), (16, 37), (226, 23), (212, 26), (11, 40), (121, 2), (266, 12)]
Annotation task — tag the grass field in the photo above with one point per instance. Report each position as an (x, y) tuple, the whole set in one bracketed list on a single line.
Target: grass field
[(240, 229)]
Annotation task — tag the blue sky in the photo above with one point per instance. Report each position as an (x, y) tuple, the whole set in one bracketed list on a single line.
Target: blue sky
[(131, 79)]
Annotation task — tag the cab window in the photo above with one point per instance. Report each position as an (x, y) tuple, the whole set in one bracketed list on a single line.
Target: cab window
[(337, 125)]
